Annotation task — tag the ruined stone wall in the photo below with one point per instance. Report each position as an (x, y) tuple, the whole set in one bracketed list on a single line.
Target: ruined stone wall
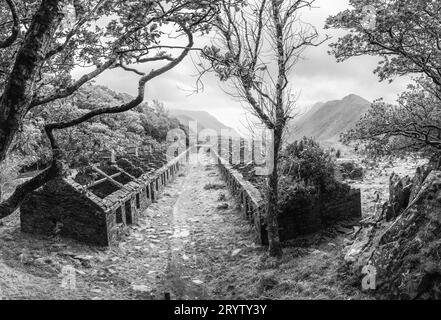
[(58, 209), (63, 207), (345, 205), (308, 217), (304, 217), (248, 197)]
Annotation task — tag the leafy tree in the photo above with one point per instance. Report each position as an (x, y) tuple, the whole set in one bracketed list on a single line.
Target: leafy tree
[(83, 144), (46, 39), (414, 125), (406, 35)]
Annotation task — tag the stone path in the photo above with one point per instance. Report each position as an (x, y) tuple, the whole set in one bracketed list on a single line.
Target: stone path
[(209, 233)]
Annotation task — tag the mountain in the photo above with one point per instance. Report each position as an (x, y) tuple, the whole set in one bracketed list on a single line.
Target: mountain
[(204, 120), (326, 121)]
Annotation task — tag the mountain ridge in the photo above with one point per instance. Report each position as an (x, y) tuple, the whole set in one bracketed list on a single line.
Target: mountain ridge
[(204, 119), (325, 121)]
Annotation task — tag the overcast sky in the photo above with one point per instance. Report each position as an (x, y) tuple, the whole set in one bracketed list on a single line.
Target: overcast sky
[(317, 78)]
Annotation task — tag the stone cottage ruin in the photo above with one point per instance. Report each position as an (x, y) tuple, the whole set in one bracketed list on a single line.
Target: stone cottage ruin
[(95, 206)]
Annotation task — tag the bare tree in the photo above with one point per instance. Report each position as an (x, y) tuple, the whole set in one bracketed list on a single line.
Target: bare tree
[(257, 45)]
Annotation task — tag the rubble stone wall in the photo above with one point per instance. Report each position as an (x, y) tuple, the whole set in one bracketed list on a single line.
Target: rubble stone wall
[(58, 209), (305, 218), (61, 207)]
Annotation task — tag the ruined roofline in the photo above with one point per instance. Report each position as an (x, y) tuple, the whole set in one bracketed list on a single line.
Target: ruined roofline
[(125, 192)]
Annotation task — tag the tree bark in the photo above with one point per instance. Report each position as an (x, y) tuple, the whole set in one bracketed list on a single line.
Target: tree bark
[(275, 249), (19, 89)]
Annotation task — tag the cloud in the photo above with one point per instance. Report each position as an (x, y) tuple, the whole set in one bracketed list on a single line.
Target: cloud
[(317, 77)]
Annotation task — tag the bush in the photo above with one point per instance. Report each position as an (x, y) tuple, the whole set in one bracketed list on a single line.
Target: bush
[(305, 162), (307, 173), (295, 195)]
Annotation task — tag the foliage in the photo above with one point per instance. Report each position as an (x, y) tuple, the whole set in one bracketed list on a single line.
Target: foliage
[(306, 163), (414, 125), (306, 175), (294, 195), (406, 35), (41, 42), (146, 125)]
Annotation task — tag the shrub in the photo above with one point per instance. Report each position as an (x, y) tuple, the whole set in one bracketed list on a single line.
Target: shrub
[(307, 163), (293, 195)]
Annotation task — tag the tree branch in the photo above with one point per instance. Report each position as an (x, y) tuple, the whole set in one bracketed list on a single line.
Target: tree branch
[(15, 28)]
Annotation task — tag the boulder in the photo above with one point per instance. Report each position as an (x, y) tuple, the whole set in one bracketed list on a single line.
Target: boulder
[(407, 254), (400, 190)]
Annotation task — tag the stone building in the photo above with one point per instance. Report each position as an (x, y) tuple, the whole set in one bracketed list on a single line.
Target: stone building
[(95, 207)]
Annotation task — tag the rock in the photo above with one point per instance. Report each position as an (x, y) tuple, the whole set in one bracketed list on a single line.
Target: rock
[(140, 288), (353, 252), (267, 282), (185, 257), (400, 190), (40, 261), (406, 254), (84, 257), (198, 282), (357, 247), (235, 252), (7, 237), (223, 206), (80, 272), (417, 182), (356, 230), (25, 258), (344, 230)]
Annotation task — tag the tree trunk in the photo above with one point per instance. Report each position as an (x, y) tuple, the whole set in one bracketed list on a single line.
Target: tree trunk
[(11, 204), (275, 249), (19, 89)]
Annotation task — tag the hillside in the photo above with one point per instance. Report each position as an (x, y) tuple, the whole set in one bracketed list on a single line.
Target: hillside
[(326, 121), (204, 119)]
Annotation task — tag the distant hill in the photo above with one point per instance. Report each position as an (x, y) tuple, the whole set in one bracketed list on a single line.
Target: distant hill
[(326, 121), (204, 119)]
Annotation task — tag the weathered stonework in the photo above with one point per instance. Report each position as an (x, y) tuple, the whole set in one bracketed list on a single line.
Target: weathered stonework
[(64, 207), (304, 219), (248, 197)]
